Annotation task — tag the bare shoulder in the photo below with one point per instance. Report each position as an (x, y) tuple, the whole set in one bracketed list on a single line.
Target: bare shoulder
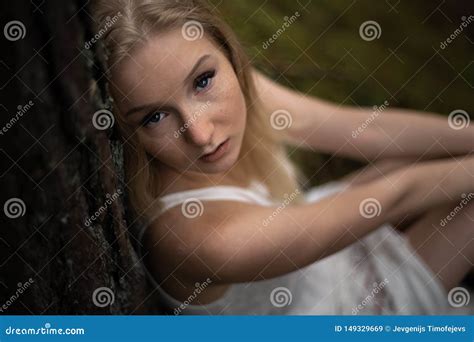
[(178, 244)]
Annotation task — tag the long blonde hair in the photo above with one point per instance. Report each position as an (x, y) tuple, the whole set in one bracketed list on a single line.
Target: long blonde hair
[(126, 25)]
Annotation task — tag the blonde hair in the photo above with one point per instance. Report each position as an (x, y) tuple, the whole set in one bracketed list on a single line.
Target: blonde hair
[(137, 21)]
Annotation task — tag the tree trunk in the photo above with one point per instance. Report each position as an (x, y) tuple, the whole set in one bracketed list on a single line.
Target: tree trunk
[(65, 248)]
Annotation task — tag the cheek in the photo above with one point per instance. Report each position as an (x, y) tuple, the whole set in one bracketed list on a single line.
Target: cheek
[(241, 109), (235, 106), (158, 147)]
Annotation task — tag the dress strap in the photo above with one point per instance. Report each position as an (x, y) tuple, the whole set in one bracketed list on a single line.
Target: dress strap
[(256, 193)]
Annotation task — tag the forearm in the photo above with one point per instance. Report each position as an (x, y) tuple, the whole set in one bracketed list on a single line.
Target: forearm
[(402, 193), (432, 183), (419, 135), (416, 188), (407, 191), (366, 133), (316, 124), (302, 234)]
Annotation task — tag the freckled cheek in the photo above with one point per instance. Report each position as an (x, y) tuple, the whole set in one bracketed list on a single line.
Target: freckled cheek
[(232, 106)]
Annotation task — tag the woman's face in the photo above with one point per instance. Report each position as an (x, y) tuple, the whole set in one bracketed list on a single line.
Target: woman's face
[(184, 101)]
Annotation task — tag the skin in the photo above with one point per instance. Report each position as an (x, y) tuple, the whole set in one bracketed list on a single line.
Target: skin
[(212, 108), (393, 133), (227, 243)]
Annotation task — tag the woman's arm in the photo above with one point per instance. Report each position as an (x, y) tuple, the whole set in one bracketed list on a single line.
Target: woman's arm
[(363, 133), (230, 243)]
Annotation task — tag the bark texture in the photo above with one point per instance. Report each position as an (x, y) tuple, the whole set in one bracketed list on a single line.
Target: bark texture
[(64, 244)]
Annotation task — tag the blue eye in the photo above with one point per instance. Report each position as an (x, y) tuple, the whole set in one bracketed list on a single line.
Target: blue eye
[(153, 117), (203, 81)]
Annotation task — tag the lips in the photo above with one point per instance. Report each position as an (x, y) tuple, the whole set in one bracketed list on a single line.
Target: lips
[(214, 150), (217, 153)]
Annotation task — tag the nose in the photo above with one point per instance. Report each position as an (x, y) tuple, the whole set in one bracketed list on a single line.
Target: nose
[(200, 129)]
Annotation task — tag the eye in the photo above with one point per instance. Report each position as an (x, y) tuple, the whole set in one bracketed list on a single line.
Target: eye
[(204, 80), (154, 117)]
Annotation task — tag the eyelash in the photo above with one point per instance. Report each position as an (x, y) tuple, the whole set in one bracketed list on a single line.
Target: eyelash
[(146, 119), (206, 75)]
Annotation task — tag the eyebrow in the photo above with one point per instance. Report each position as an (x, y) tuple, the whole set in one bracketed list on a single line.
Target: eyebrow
[(193, 70)]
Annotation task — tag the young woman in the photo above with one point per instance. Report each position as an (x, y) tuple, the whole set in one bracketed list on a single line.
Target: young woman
[(228, 229)]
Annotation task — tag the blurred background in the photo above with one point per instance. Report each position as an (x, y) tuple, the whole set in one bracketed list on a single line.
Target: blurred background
[(403, 57)]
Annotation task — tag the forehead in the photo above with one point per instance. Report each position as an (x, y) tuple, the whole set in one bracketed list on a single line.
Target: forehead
[(159, 66)]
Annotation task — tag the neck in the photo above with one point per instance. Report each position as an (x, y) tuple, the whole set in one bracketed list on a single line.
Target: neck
[(173, 180)]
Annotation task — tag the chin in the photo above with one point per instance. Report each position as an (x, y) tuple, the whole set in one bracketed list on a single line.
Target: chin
[(221, 166)]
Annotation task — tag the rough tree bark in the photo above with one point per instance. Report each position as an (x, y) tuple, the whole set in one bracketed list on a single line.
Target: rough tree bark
[(63, 169)]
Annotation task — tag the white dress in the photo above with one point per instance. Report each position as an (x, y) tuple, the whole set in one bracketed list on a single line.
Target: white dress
[(378, 274)]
